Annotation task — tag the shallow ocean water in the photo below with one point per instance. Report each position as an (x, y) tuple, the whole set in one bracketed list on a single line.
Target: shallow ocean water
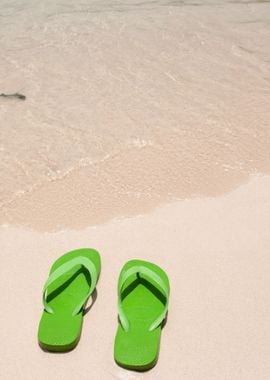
[(128, 105)]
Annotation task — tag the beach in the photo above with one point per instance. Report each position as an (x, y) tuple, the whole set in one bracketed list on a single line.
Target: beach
[(144, 133), (216, 253)]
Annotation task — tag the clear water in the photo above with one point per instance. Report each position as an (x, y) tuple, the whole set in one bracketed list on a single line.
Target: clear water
[(133, 103)]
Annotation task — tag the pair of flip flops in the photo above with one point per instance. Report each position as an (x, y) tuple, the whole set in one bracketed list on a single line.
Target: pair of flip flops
[(143, 294)]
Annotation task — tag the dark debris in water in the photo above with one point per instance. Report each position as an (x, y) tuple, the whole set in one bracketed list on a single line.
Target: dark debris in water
[(16, 95)]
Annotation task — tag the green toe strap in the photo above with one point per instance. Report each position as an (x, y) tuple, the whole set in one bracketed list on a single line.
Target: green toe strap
[(154, 279), (81, 261)]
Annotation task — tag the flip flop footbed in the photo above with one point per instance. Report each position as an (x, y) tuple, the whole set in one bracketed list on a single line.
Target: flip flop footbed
[(61, 329), (142, 302)]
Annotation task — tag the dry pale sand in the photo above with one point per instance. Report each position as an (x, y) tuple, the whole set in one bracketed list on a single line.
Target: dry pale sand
[(216, 252)]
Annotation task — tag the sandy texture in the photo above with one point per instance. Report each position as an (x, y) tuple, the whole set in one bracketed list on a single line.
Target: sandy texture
[(216, 253), (157, 111), (129, 105)]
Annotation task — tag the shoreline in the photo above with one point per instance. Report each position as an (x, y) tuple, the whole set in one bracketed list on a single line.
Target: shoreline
[(141, 130), (216, 253), (175, 98)]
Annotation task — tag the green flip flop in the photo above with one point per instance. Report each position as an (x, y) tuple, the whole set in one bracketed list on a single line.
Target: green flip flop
[(71, 282), (143, 295)]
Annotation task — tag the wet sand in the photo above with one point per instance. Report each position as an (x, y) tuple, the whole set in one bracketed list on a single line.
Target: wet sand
[(129, 106)]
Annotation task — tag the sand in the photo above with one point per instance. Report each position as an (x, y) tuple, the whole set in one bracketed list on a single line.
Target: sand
[(129, 106), (216, 253), (144, 134)]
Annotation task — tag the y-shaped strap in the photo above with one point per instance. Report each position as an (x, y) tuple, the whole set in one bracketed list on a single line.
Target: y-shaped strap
[(63, 269), (154, 278)]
